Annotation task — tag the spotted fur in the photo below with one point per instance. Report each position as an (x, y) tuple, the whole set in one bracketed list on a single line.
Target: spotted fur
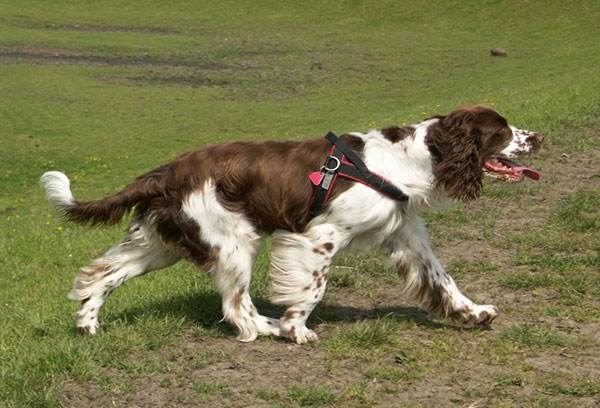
[(214, 206)]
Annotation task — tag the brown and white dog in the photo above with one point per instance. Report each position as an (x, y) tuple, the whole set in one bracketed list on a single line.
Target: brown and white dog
[(213, 206)]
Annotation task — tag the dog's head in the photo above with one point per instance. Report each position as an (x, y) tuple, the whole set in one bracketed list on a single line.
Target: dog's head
[(473, 140)]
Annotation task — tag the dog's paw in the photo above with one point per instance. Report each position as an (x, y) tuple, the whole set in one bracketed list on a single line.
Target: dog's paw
[(88, 329), (300, 334), (480, 315)]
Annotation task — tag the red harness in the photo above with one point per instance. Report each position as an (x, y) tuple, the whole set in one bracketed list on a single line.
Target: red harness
[(344, 162)]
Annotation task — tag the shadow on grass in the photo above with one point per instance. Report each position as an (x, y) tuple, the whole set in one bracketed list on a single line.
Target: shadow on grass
[(204, 309)]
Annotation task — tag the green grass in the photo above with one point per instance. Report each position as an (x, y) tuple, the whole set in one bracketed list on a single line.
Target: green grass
[(107, 90), (311, 396), (207, 391), (534, 337)]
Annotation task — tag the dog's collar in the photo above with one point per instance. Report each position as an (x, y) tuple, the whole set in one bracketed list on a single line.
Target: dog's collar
[(342, 161)]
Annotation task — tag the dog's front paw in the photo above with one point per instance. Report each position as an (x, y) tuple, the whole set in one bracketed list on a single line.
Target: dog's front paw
[(480, 315), (299, 334)]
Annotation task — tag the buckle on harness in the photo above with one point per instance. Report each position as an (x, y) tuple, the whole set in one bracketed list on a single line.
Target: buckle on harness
[(337, 164)]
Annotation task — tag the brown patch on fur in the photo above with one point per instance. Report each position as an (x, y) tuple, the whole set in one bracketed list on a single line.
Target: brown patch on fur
[(289, 314), (96, 268), (402, 270), (328, 246), (237, 298), (536, 140), (460, 143), (395, 134), (251, 179), (291, 334), (214, 252), (267, 181), (315, 273), (431, 294)]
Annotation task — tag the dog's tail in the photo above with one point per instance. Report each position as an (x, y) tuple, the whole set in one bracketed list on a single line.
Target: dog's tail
[(108, 210)]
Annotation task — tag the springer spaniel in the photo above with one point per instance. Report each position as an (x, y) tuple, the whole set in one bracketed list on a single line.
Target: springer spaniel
[(213, 207)]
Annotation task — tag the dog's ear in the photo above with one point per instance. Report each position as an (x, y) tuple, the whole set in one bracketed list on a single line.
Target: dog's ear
[(455, 142), (460, 143)]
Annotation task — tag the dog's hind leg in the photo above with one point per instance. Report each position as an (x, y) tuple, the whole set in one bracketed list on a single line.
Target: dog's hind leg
[(300, 265), (140, 251), (233, 244), (232, 275)]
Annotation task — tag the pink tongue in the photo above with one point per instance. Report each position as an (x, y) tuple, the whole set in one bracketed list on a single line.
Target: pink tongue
[(532, 174)]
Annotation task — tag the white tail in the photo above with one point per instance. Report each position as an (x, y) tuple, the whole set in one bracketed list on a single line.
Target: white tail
[(58, 189)]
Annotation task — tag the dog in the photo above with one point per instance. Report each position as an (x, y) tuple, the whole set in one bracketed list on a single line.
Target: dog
[(213, 207)]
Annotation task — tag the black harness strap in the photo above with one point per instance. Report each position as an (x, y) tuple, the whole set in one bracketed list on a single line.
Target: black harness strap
[(344, 162)]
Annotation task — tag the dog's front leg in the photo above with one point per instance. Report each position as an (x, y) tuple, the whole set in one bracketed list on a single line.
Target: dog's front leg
[(300, 264), (427, 282)]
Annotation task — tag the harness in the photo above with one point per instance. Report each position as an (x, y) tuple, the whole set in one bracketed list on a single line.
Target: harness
[(342, 161)]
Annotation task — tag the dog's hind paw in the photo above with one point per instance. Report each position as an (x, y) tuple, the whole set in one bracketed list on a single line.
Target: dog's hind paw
[(481, 315)]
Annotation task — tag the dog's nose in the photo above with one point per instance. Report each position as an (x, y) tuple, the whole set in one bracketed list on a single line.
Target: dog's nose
[(535, 140)]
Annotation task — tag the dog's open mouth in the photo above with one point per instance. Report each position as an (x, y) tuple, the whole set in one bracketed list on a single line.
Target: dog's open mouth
[(503, 168)]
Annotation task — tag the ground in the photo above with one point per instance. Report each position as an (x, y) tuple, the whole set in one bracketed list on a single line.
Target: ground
[(106, 92)]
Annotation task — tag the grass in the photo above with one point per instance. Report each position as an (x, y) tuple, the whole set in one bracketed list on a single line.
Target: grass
[(534, 337), (311, 396), (107, 90)]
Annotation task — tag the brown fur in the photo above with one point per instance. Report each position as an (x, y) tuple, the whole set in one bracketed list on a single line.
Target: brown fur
[(267, 181), (460, 143), (395, 134)]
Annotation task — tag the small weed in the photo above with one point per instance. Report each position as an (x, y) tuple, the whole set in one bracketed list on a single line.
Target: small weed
[(311, 396), (460, 268), (357, 393), (393, 374), (534, 337), (506, 380), (207, 390), (268, 394), (527, 280), (364, 336), (577, 387), (344, 278)]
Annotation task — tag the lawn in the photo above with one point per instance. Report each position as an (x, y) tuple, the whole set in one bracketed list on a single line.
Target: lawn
[(107, 90)]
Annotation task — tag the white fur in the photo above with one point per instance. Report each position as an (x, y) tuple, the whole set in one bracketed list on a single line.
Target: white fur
[(57, 188), (140, 251), (519, 144), (238, 244)]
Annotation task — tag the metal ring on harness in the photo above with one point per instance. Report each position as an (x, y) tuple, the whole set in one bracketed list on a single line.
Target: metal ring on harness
[(329, 169)]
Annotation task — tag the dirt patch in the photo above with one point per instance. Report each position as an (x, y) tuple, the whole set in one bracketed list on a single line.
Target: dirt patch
[(24, 22), (196, 79), (100, 28), (60, 56)]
